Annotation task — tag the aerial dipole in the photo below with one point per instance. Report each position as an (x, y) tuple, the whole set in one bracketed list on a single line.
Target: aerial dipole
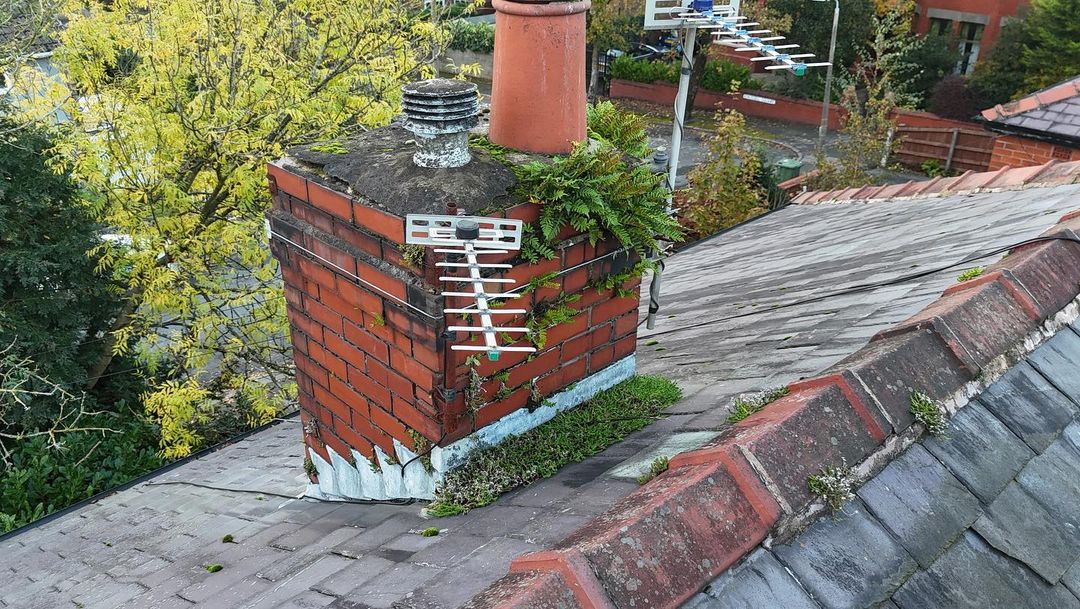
[(729, 28)]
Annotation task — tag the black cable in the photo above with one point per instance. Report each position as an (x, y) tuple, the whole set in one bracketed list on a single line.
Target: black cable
[(867, 286), (282, 495)]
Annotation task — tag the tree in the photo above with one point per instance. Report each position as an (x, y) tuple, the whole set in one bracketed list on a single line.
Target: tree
[(181, 105), (25, 28), (925, 63), (610, 22), (1052, 53), (1000, 77)]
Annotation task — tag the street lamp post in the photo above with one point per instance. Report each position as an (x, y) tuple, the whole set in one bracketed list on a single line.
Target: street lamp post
[(828, 78)]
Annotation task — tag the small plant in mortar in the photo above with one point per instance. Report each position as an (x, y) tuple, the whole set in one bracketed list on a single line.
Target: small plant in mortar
[(929, 413), (833, 486), (413, 255), (377, 320), (657, 467), (747, 404), (375, 466), (549, 313), (422, 447), (309, 467), (214, 568), (616, 281), (970, 274), (474, 391)]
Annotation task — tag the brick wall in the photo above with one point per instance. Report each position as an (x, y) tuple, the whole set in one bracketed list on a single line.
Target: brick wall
[(1013, 151), (371, 370)]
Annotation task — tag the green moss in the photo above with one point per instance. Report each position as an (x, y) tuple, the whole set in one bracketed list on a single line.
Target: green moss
[(377, 320), (309, 467), (228, 539), (970, 274), (429, 532), (658, 466), (332, 147), (422, 447), (413, 255), (569, 437), (214, 568)]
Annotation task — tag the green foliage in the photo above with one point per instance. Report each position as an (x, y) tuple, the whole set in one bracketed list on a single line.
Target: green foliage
[(724, 190), (430, 532), (971, 273), (413, 255), (863, 143), (596, 193), (475, 36), (422, 447), (214, 567), (228, 538), (932, 168), (833, 485), (569, 437), (746, 405), (549, 313), (616, 281), (331, 147), (647, 72), (953, 98), (723, 76), (309, 467), (929, 413), (657, 467), (999, 77), (623, 130), (924, 63)]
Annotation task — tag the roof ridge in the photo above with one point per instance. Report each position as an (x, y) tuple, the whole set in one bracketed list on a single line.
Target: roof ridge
[(1006, 178)]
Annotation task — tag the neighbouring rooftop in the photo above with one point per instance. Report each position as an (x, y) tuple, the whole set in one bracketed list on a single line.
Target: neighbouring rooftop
[(728, 325), (1051, 112)]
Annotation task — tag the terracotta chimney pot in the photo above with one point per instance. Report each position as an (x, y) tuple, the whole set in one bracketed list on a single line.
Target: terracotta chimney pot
[(538, 80)]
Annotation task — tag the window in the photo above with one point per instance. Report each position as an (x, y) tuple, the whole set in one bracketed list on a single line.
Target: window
[(941, 27), (970, 35)]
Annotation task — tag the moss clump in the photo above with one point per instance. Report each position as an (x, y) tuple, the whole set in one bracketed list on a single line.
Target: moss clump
[(658, 466), (228, 539), (429, 532), (309, 467), (970, 274), (569, 437), (214, 568), (746, 405)]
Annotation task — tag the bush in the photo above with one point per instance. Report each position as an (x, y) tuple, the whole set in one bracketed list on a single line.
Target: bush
[(478, 37), (721, 75), (646, 72), (953, 99)]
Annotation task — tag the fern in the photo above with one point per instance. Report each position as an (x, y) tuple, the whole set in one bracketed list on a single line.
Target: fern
[(623, 130)]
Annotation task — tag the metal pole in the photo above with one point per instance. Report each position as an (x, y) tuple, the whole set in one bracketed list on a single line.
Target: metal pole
[(828, 81), (680, 107)]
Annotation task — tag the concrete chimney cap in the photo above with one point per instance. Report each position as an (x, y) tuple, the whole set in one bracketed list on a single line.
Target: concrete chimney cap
[(439, 88)]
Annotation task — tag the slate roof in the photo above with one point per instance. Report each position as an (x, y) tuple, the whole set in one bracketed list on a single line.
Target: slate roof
[(148, 546), (988, 516), (1054, 111)]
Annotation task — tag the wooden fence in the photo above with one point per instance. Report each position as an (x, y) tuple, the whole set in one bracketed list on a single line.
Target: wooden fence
[(954, 148)]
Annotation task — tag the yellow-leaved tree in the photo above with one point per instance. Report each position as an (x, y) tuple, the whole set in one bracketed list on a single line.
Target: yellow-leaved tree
[(171, 111)]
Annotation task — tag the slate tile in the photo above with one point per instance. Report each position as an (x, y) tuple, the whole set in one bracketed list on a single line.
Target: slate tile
[(980, 451), (1030, 406), (375, 537), (1071, 579), (921, 503), (450, 551), (345, 580), (1053, 478), (388, 587), (848, 563), (1018, 526), (306, 600), (759, 581), (1058, 360), (972, 575)]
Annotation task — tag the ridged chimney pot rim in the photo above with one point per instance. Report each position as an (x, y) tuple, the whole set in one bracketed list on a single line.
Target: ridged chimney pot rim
[(534, 8)]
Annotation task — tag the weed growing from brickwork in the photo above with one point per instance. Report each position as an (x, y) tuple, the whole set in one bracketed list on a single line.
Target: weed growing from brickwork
[(413, 255), (658, 466), (833, 485), (970, 274), (747, 404), (309, 467), (927, 412), (422, 447), (570, 437)]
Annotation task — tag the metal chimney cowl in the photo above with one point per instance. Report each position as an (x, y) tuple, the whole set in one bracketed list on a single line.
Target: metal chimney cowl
[(439, 113)]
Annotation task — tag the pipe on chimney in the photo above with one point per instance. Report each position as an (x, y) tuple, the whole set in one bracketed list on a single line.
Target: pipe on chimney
[(538, 79)]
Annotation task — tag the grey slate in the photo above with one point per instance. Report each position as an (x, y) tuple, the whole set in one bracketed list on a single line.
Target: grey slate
[(917, 499), (1071, 579), (848, 562), (1018, 526), (1059, 360), (1029, 405), (1053, 478), (980, 451), (972, 575), (759, 581)]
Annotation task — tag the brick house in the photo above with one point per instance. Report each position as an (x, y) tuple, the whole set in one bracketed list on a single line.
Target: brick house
[(975, 24), (1042, 127)]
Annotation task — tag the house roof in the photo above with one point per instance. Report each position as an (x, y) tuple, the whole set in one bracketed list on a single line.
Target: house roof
[(1006, 178), (1054, 111), (982, 517), (754, 308)]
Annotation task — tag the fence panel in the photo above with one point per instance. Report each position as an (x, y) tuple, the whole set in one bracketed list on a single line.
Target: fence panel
[(955, 149)]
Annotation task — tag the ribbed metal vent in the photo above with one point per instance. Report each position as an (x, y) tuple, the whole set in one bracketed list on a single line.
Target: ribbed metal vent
[(440, 112)]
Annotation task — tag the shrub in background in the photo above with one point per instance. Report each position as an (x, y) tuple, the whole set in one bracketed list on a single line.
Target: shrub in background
[(647, 72), (478, 37), (953, 99)]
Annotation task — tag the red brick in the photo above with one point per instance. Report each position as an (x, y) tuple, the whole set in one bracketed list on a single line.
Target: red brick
[(390, 425), (419, 330), (601, 358), (287, 181), (360, 240), (573, 372), (577, 347), (526, 212), (345, 393), (379, 222), (541, 364), (367, 342), (336, 444), (625, 346), (311, 269), (336, 406), (332, 202), (494, 411), (346, 351), (416, 420), (378, 372), (399, 384), (333, 257), (359, 297), (529, 590), (412, 370), (326, 359), (323, 314), (385, 283), (576, 280), (627, 324), (305, 324), (319, 449), (489, 368), (1048, 271), (314, 371), (315, 217), (611, 309), (562, 332), (336, 303), (426, 356), (356, 441), (575, 254), (367, 387)]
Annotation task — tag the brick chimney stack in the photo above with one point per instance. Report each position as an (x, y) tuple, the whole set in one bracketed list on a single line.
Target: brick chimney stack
[(538, 79), (387, 407)]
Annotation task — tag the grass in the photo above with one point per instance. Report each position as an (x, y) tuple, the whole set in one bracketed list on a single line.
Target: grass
[(658, 466), (969, 274), (569, 437), (746, 405)]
